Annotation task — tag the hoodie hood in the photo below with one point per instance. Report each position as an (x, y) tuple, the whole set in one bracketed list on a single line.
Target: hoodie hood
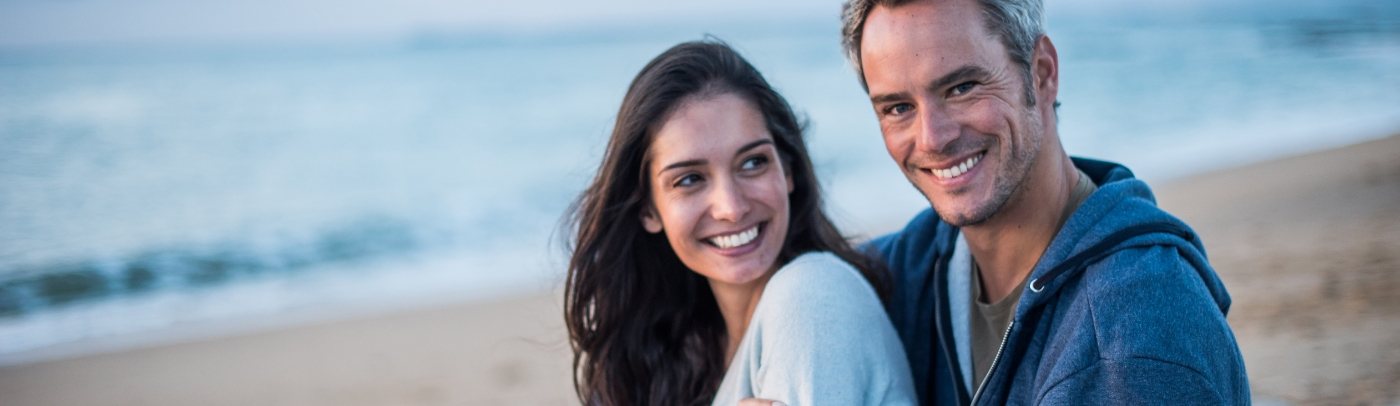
[(1121, 214)]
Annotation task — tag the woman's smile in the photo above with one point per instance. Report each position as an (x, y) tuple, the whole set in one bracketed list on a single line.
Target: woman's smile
[(735, 244)]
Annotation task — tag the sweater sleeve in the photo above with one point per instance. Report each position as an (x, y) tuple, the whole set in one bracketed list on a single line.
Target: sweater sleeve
[(1134, 381), (821, 337)]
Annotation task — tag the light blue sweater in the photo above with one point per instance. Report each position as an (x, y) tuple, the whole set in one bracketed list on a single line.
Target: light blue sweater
[(819, 336)]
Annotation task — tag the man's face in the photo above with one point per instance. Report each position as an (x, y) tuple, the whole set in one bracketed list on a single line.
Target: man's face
[(951, 106)]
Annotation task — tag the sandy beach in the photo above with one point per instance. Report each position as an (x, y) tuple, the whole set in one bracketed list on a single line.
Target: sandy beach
[(1309, 247), (503, 352)]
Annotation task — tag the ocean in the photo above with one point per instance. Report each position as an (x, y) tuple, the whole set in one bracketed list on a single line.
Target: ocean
[(154, 194)]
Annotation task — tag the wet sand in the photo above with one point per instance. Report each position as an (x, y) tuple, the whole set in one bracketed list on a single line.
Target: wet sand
[(504, 352), (1308, 246)]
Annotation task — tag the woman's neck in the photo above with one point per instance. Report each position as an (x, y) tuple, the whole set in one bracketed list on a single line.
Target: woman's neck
[(736, 305)]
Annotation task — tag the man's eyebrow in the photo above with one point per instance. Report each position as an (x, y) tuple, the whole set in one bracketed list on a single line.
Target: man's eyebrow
[(888, 97), (957, 76)]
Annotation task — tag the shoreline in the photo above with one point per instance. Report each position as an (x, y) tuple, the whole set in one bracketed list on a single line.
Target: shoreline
[(1308, 247), (486, 352)]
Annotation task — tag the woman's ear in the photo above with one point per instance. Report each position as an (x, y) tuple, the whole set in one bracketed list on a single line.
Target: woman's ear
[(650, 220)]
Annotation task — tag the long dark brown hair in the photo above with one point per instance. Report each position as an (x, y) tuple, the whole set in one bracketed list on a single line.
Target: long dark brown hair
[(644, 328)]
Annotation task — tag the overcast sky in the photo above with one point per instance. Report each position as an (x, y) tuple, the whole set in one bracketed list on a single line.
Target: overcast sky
[(43, 22)]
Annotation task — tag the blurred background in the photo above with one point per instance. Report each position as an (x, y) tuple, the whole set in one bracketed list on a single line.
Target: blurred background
[(174, 172)]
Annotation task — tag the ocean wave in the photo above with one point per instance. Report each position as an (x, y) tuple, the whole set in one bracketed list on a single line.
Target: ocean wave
[(30, 289)]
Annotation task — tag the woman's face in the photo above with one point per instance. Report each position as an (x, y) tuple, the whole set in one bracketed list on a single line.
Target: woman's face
[(719, 191)]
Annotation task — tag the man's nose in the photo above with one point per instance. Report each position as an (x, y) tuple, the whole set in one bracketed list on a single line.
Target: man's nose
[(728, 202), (937, 130)]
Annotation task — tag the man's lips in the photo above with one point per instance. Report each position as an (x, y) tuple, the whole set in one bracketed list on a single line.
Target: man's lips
[(958, 169)]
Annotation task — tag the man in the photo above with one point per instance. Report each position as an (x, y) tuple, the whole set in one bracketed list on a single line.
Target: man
[(1041, 278)]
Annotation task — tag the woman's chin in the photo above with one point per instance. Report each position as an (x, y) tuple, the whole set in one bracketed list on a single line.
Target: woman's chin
[(739, 274)]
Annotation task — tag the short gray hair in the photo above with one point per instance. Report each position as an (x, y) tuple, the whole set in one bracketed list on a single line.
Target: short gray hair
[(1018, 23)]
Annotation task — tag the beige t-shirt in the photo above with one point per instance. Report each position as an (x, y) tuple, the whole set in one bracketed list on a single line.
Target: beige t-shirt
[(988, 324)]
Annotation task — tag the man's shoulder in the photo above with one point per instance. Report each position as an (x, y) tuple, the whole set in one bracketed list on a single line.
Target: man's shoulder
[(1153, 325), (1132, 250), (1146, 298)]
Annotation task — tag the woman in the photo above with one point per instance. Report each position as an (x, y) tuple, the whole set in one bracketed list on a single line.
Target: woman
[(703, 267)]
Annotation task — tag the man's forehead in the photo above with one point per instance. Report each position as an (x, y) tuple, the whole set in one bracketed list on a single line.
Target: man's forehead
[(937, 37), (923, 19)]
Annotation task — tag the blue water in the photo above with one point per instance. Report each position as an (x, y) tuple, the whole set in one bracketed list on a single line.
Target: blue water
[(147, 189)]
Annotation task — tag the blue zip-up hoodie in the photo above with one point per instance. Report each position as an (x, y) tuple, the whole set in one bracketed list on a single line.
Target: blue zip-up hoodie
[(1122, 308)]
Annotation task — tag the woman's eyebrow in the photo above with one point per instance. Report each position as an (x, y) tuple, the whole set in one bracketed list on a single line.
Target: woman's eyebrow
[(753, 145), (683, 164), (697, 162)]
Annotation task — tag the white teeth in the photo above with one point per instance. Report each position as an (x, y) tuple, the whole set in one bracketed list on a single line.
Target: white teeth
[(735, 240), (959, 169)]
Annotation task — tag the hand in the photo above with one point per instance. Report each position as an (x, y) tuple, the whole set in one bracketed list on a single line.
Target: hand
[(760, 402)]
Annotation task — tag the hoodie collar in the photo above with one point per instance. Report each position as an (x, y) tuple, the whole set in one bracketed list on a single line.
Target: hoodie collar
[(1121, 214)]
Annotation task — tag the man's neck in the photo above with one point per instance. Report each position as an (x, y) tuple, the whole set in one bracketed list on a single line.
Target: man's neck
[(1007, 246)]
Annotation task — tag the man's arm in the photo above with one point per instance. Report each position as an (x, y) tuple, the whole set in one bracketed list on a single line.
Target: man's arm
[(1160, 335), (1135, 381)]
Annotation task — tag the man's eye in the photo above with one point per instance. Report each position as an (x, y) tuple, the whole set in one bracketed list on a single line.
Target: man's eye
[(898, 109), (963, 88)]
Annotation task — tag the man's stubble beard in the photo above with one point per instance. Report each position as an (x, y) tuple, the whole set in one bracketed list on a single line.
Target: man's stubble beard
[(1010, 180)]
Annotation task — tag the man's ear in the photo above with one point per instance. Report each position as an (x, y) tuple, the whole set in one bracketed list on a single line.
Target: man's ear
[(650, 220), (1045, 70)]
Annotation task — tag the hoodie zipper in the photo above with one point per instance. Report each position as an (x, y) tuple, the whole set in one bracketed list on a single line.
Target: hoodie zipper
[(993, 369)]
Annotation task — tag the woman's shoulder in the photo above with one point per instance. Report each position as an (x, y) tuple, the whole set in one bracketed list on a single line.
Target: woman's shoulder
[(819, 286), (816, 273), (820, 334)]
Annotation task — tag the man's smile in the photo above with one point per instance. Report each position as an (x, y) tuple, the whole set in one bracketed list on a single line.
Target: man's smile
[(958, 169)]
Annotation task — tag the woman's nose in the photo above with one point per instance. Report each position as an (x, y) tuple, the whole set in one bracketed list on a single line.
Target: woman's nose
[(728, 202)]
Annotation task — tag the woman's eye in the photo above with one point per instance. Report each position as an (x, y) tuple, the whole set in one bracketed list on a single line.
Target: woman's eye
[(687, 180), (963, 88), (753, 163), (898, 109)]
